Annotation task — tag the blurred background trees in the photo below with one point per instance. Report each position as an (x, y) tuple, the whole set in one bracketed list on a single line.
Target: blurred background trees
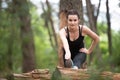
[(28, 37)]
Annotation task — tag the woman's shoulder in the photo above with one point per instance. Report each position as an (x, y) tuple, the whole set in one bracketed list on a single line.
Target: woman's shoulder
[(84, 27), (63, 30)]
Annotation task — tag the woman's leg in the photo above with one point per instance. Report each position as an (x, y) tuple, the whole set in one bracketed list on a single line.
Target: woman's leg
[(68, 63), (79, 59)]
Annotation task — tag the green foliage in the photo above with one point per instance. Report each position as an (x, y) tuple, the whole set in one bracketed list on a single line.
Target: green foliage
[(103, 44), (9, 42), (98, 77), (46, 57), (102, 28), (56, 75), (115, 57), (108, 62)]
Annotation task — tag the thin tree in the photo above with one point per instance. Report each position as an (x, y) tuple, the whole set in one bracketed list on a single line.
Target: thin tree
[(49, 24), (93, 24), (109, 28)]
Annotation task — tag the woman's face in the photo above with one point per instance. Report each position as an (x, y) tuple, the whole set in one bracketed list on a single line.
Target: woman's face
[(73, 21)]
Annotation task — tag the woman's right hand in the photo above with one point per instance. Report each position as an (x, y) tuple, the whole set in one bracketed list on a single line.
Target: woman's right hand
[(67, 56)]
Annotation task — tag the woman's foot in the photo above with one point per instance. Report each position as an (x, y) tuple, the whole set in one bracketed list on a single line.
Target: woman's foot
[(68, 63), (75, 67)]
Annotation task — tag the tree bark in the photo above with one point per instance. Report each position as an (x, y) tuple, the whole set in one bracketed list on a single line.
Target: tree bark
[(27, 41), (49, 24), (52, 25), (83, 74), (90, 12), (109, 28)]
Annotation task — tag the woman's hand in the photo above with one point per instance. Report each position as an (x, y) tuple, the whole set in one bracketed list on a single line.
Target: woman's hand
[(67, 56), (84, 50)]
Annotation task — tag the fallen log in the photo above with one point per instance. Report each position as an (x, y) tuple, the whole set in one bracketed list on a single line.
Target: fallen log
[(67, 74), (83, 74), (37, 74)]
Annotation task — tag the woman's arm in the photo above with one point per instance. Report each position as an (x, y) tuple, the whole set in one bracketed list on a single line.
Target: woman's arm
[(62, 34), (93, 36)]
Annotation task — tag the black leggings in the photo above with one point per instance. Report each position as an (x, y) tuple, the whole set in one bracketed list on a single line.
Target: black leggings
[(78, 59)]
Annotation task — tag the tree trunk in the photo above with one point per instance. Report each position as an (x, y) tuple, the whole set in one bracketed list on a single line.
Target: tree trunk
[(10, 55), (109, 28), (93, 26), (52, 25), (27, 41), (49, 24), (0, 5), (71, 4), (81, 13), (90, 12)]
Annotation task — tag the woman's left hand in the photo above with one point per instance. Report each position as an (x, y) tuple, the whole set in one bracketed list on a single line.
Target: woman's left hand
[(84, 50)]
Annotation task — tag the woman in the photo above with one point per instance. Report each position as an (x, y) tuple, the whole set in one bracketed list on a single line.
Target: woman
[(72, 37)]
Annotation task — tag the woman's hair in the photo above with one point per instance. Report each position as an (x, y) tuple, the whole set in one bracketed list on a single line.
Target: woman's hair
[(72, 12)]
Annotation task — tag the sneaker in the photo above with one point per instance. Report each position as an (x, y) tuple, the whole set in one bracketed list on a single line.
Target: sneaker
[(74, 67), (68, 63)]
